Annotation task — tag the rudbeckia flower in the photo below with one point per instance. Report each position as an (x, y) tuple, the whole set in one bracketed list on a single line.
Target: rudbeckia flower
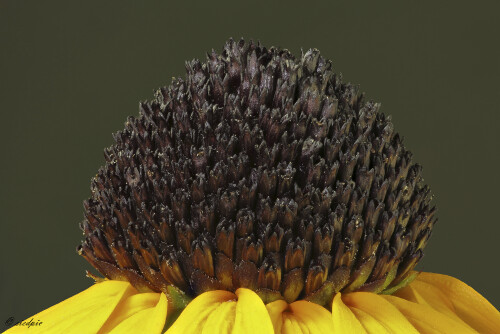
[(261, 194)]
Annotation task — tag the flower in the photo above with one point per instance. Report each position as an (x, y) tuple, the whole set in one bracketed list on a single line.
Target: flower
[(262, 194)]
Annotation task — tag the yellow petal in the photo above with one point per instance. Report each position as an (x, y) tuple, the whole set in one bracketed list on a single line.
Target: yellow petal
[(290, 325), (426, 319), (146, 318), (275, 310), (221, 320), (251, 314), (299, 317), (380, 310), (370, 323), (194, 316), (344, 321), (303, 329), (461, 299), (314, 317), (128, 307), (85, 312), (428, 295)]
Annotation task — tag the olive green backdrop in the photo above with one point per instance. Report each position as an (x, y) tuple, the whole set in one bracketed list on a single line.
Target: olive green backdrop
[(72, 71)]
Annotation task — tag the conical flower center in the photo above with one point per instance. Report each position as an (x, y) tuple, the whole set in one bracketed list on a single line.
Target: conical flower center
[(263, 171)]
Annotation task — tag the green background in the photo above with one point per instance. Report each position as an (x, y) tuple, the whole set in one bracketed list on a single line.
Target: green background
[(72, 71)]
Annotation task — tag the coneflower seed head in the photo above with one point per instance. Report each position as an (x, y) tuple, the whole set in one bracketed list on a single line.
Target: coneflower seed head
[(258, 170)]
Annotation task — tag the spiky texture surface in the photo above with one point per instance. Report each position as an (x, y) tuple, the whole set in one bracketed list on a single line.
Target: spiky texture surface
[(258, 170)]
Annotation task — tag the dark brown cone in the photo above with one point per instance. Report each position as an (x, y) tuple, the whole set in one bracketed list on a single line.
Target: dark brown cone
[(263, 171)]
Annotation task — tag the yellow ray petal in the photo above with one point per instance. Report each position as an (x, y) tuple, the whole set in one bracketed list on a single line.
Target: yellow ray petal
[(221, 320), (380, 310), (251, 314), (85, 312), (370, 323), (423, 293), (303, 328), (314, 317), (428, 295), (462, 300), (344, 321), (145, 319), (275, 310), (299, 317), (194, 316), (426, 319), (290, 325), (128, 307)]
